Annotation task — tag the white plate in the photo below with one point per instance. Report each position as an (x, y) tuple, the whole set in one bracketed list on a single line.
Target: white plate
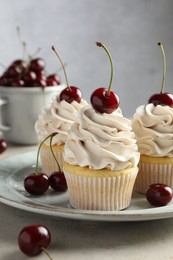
[(12, 192)]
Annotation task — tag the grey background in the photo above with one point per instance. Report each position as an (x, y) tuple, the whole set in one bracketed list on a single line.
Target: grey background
[(129, 28)]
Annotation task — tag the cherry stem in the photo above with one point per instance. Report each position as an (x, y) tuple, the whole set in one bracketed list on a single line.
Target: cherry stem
[(63, 67), (38, 152), (164, 66), (59, 168), (46, 252), (99, 44)]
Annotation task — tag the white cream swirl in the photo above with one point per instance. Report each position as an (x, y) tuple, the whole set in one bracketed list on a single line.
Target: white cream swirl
[(57, 117), (101, 141), (153, 126)]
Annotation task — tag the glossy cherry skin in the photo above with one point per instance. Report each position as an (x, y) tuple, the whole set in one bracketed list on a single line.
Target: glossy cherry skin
[(29, 77), (36, 184), (103, 103), (54, 77), (3, 145), (57, 181), (17, 82), (37, 64), (51, 82), (159, 194), (33, 238), (163, 99), (70, 94)]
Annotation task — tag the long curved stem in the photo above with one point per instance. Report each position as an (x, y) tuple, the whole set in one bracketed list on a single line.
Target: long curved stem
[(164, 66), (112, 66), (38, 152), (59, 168), (65, 74)]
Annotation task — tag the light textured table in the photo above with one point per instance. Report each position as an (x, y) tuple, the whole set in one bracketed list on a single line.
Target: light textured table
[(82, 240)]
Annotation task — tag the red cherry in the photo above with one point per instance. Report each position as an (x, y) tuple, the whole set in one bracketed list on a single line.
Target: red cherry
[(29, 77), (54, 77), (39, 83), (51, 82), (3, 145), (159, 194), (103, 103), (16, 82), (12, 71), (104, 100), (70, 94), (32, 240), (57, 181), (37, 64), (21, 64), (162, 98), (36, 184), (4, 81)]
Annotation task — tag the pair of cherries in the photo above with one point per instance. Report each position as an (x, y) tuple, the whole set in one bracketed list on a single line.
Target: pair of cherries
[(102, 100), (38, 183)]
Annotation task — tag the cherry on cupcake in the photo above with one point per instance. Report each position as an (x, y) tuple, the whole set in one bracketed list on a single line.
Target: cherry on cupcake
[(34, 239), (103, 100), (162, 98), (37, 183), (70, 93), (159, 194)]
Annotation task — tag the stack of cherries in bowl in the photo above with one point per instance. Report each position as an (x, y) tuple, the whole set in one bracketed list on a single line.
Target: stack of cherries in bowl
[(30, 73)]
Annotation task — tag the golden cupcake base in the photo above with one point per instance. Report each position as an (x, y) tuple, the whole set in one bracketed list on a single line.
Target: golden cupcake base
[(99, 189), (154, 170)]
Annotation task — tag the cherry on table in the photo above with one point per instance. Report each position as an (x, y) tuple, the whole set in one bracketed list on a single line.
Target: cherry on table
[(34, 239), (57, 181), (159, 194), (36, 183), (3, 145)]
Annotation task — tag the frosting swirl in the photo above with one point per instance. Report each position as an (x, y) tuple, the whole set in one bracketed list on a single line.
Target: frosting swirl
[(101, 141), (153, 126), (57, 117)]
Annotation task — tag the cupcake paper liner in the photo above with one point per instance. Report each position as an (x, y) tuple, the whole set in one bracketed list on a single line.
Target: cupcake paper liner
[(150, 173), (100, 193), (48, 162)]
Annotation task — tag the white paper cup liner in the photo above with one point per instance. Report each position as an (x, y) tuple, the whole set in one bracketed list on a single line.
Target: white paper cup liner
[(48, 162), (150, 173), (100, 193)]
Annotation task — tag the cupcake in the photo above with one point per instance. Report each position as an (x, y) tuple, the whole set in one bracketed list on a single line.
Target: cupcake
[(101, 160), (101, 154), (153, 127), (57, 117)]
